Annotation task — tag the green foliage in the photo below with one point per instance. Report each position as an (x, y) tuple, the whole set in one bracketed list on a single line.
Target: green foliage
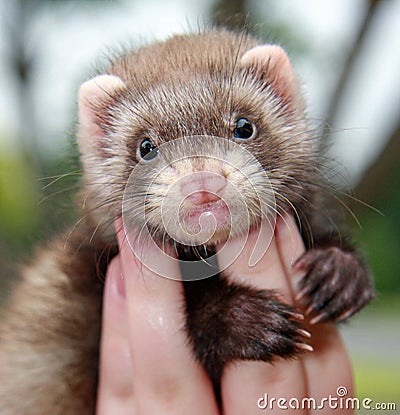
[(34, 209), (380, 240), (378, 380), (18, 196)]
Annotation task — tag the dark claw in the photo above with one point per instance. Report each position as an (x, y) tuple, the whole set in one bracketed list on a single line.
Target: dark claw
[(295, 315), (337, 284), (318, 319), (305, 346), (305, 333), (235, 322), (276, 326)]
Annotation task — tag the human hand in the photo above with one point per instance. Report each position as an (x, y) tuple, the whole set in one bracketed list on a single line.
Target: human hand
[(147, 367)]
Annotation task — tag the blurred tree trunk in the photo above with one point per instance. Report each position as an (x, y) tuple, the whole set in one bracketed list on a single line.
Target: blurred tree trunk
[(382, 175), (377, 180), (347, 69), (22, 63), (232, 14)]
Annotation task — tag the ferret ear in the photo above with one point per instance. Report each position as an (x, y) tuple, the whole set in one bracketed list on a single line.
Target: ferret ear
[(94, 97), (271, 64)]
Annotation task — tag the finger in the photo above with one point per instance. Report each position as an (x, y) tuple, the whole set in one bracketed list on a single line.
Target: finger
[(290, 247), (328, 367), (167, 379), (245, 383), (115, 391), (266, 273)]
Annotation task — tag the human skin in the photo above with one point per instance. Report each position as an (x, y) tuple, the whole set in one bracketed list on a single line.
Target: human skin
[(147, 367)]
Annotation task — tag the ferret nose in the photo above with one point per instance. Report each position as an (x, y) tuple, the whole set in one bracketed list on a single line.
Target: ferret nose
[(203, 187)]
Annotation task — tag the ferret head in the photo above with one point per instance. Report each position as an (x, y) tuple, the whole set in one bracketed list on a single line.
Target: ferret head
[(194, 137)]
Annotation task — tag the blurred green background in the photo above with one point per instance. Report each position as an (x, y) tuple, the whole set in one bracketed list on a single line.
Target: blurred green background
[(347, 53)]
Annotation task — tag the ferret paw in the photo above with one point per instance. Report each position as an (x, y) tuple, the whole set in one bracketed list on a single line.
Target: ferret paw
[(336, 285), (243, 323), (280, 332), (266, 328)]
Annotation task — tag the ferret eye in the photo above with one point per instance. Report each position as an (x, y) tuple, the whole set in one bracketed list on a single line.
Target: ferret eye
[(244, 129), (147, 150)]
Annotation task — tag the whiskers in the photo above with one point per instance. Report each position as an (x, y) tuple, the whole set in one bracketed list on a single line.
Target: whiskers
[(57, 181)]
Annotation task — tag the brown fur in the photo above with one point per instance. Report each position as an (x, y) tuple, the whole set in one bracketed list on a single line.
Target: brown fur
[(49, 331), (201, 78), (187, 85)]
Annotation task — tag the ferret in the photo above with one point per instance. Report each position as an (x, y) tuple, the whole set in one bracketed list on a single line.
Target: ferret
[(216, 83)]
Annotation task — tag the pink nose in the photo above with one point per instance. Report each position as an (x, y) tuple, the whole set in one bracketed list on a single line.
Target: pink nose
[(203, 187)]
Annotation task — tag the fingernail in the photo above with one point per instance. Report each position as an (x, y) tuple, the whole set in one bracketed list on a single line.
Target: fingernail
[(117, 278), (296, 278), (120, 283), (285, 229), (286, 226)]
